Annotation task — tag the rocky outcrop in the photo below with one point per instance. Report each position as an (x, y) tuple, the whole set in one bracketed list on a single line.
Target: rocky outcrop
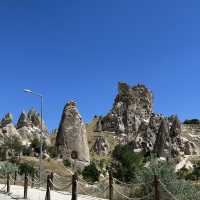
[(29, 126), (72, 135), (7, 119), (26, 129), (132, 116), (132, 106), (101, 146), (23, 121)]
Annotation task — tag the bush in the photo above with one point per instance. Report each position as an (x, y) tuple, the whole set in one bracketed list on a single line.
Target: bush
[(126, 162), (27, 151), (91, 173), (8, 168), (67, 163), (52, 151), (191, 121), (35, 144), (27, 168)]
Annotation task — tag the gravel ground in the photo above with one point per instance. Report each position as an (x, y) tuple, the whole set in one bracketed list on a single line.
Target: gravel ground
[(39, 194)]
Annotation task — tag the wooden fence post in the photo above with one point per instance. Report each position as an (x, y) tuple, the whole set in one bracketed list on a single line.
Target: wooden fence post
[(8, 182), (15, 178), (51, 175), (110, 185), (74, 186), (48, 195), (156, 188), (25, 185), (32, 181)]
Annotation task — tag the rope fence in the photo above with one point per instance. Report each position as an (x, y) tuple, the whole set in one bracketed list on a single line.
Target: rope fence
[(75, 186)]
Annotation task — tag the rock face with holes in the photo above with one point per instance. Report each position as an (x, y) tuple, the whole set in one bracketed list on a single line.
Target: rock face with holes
[(132, 115), (132, 105), (72, 135)]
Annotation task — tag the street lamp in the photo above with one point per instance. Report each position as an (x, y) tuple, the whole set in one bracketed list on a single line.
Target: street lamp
[(41, 126)]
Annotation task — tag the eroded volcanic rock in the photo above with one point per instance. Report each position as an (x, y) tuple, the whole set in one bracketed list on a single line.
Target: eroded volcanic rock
[(7, 119), (132, 106), (132, 115), (101, 146), (29, 126), (72, 135)]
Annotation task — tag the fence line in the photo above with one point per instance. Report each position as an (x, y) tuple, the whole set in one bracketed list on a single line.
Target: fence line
[(78, 186)]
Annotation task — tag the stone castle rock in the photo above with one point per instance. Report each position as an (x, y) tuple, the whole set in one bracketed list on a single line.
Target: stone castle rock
[(72, 136), (131, 106), (132, 115)]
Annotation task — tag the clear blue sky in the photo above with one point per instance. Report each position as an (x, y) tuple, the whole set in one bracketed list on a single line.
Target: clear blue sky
[(73, 49)]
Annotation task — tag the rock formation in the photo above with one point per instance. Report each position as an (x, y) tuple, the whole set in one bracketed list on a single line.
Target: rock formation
[(26, 130), (132, 106), (101, 146), (29, 126), (132, 115), (72, 135), (7, 119)]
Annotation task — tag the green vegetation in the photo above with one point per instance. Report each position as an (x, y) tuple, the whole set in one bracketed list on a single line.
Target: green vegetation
[(67, 163), (179, 188), (126, 163), (27, 168), (35, 144), (91, 173), (14, 144), (191, 121), (8, 167), (52, 151)]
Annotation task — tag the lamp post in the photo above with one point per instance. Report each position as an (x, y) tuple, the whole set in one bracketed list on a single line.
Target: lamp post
[(41, 126)]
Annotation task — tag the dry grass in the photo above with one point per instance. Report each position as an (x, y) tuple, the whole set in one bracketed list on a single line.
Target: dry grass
[(49, 165)]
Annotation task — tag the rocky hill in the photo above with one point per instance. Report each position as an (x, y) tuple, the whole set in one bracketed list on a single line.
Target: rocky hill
[(132, 120), (26, 129)]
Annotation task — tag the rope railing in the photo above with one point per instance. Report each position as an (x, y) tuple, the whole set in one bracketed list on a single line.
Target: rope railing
[(97, 189), (106, 187), (166, 190), (130, 198), (116, 181), (92, 194), (60, 188)]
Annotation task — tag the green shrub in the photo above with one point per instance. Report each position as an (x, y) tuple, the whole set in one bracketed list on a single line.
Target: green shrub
[(8, 168), (191, 121), (91, 173), (27, 168), (35, 144), (67, 163), (126, 162), (52, 151)]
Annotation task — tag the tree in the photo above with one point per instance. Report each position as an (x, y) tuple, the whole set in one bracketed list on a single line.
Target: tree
[(91, 173), (8, 168), (126, 162), (27, 168), (35, 144)]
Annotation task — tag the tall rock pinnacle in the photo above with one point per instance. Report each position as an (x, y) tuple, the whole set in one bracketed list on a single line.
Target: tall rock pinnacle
[(72, 135)]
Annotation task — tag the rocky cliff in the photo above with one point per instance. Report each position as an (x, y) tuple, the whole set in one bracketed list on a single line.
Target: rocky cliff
[(72, 135), (132, 118)]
